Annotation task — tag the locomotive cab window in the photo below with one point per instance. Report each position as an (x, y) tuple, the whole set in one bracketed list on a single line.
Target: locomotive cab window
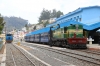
[(65, 29)]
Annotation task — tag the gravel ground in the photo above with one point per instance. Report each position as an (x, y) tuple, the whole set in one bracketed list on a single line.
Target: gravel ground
[(20, 59), (34, 60), (63, 57)]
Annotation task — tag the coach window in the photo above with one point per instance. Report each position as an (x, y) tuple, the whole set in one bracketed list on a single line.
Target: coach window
[(41, 35), (65, 29), (80, 19), (46, 36), (77, 19), (71, 19), (62, 30), (74, 18), (68, 19)]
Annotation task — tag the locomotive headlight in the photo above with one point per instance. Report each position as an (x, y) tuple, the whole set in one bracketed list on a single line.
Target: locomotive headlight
[(80, 41), (73, 41)]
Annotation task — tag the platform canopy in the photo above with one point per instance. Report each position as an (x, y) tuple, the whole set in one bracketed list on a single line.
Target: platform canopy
[(65, 24), (86, 27)]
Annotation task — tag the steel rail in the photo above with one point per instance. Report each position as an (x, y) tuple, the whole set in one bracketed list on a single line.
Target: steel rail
[(87, 51), (13, 57), (63, 53), (23, 54)]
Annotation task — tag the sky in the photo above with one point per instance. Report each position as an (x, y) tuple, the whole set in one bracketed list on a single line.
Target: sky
[(31, 9)]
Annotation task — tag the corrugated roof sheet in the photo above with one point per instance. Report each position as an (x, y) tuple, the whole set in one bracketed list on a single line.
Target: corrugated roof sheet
[(76, 11)]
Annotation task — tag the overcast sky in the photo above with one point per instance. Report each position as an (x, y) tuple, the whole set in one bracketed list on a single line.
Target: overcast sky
[(31, 9)]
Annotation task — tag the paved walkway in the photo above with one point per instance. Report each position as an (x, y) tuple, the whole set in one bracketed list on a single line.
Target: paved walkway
[(3, 56), (93, 46)]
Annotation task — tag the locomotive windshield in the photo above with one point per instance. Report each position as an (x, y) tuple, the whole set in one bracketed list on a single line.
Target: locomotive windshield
[(8, 34)]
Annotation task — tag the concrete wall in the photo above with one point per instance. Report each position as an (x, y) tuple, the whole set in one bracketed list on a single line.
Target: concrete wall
[(91, 15), (75, 17)]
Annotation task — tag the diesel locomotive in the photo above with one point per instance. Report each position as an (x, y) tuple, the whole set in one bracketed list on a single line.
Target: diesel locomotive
[(9, 38)]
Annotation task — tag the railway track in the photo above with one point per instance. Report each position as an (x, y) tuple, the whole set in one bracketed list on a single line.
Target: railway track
[(17, 57), (91, 51), (81, 57)]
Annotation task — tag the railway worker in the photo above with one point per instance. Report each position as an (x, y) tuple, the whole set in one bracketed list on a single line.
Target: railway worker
[(99, 41), (21, 40)]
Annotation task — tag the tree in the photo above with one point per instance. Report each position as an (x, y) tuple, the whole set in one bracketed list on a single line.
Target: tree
[(34, 28), (59, 13), (45, 14), (1, 23), (47, 22), (54, 13), (26, 26)]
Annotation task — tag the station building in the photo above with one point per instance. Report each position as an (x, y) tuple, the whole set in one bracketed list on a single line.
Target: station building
[(89, 16), (86, 15)]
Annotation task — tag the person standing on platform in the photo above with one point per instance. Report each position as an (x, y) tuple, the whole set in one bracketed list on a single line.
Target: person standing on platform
[(99, 41)]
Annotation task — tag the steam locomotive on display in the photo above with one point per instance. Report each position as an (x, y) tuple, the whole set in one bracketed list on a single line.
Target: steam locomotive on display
[(67, 34), (9, 38)]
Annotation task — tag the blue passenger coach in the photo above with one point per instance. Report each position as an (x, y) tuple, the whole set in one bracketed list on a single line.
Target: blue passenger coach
[(39, 36)]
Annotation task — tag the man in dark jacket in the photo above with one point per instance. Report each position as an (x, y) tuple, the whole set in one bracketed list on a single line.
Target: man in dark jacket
[(99, 41)]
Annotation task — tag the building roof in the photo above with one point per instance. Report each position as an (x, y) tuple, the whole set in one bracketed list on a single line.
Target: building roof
[(76, 11), (66, 23)]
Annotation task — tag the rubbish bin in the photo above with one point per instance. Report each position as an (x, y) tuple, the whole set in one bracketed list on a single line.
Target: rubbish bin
[(18, 43)]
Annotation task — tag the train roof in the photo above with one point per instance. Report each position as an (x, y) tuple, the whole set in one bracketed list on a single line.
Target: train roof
[(43, 30)]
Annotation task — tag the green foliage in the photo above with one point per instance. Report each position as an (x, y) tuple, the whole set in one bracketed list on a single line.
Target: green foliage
[(34, 28), (26, 25), (59, 13), (47, 14), (1, 23), (47, 22), (56, 14)]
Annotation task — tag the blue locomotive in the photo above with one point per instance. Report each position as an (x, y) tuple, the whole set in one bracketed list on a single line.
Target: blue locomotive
[(67, 34), (9, 38)]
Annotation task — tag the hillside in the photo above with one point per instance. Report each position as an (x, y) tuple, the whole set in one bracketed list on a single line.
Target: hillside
[(14, 23)]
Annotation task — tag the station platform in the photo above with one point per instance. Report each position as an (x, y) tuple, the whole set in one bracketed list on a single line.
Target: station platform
[(3, 56), (93, 46)]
